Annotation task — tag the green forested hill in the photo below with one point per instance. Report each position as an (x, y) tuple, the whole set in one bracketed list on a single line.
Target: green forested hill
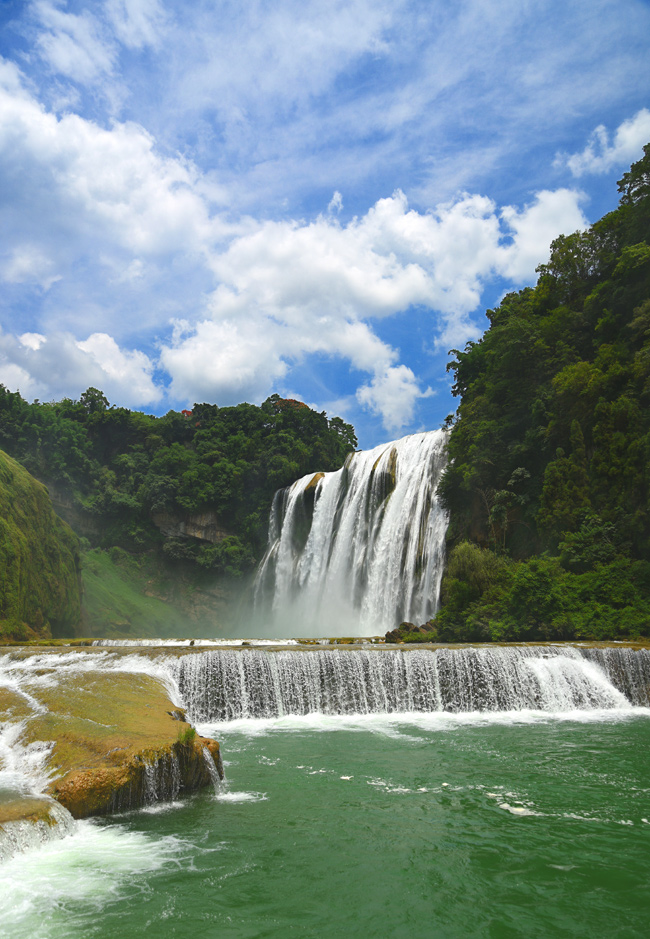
[(549, 484), (114, 469), (40, 584), (175, 508)]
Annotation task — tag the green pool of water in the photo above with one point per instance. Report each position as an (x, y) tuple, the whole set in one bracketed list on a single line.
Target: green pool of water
[(431, 827)]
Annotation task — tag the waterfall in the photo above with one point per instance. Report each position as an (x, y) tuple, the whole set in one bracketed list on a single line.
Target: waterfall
[(229, 685), (23, 777), (358, 550), (162, 780), (215, 777), (24, 834)]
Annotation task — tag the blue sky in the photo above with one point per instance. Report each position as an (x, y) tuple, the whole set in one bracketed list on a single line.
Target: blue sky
[(216, 201)]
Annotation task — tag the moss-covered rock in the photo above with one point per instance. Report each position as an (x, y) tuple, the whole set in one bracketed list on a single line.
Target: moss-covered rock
[(40, 585), (384, 479), (29, 821), (117, 741), (27, 808), (119, 744), (409, 632), (314, 481)]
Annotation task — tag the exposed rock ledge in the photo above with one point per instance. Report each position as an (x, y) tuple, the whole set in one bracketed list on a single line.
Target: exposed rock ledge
[(205, 526), (116, 742)]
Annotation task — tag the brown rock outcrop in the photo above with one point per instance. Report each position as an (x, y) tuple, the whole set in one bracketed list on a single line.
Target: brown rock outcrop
[(205, 526)]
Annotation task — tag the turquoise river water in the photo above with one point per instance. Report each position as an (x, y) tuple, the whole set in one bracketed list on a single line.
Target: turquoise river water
[(414, 825)]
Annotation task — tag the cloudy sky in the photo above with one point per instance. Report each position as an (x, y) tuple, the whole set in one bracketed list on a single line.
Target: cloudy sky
[(216, 200)]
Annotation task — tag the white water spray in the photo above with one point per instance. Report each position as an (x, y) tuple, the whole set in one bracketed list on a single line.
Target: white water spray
[(227, 686)]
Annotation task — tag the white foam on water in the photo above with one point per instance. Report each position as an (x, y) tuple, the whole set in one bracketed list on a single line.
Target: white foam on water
[(398, 724), (10, 679), (517, 810), (241, 796), (22, 766), (48, 889), (159, 808), (580, 818), (560, 675)]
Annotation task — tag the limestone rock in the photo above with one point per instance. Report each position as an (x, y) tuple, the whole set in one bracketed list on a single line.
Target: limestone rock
[(204, 526), (117, 742)]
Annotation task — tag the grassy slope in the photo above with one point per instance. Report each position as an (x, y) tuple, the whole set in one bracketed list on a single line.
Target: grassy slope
[(40, 592), (134, 596), (115, 605)]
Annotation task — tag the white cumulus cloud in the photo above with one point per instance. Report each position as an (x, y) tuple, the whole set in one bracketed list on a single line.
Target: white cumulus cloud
[(288, 289), (393, 394), (71, 44), (122, 369), (603, 152), (27, 263), (60, 365), (137, 23), (105, 201), (535, 226), (113, 181)]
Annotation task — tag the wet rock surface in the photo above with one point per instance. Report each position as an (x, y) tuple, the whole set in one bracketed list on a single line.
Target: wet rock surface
[(115, 741)]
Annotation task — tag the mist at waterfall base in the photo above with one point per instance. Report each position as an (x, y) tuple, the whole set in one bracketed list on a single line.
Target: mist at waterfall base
[(458, 793), (357, 551)]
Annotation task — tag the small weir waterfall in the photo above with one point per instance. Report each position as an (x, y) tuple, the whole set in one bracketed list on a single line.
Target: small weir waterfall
[(229, 685), (357, 551)]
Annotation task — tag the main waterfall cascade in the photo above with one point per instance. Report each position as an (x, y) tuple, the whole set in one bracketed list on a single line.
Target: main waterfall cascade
[(361, 549)]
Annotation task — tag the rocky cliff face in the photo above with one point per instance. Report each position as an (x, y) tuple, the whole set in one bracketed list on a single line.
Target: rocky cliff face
[(40, 583), (204, 526), (82, 522)]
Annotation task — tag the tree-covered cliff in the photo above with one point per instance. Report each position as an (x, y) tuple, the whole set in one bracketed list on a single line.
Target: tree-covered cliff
[(175, 508), (40, 584), (142, 482), (548, 486)]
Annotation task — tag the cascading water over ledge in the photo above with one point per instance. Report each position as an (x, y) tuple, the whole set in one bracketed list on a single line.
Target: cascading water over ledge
[(44, 820), (97, 732), (356, 551), (225, 685)]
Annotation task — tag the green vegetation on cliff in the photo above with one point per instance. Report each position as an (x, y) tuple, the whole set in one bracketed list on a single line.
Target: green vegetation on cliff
[(40, 585), (549, 481), (119, 597), (189, 494)]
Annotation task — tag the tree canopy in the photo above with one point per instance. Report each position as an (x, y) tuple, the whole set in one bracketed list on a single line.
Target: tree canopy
[(550, 446), (117, 467)]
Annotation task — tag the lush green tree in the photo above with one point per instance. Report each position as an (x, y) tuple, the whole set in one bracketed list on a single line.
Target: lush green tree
[(121, 468), (550, 446)]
